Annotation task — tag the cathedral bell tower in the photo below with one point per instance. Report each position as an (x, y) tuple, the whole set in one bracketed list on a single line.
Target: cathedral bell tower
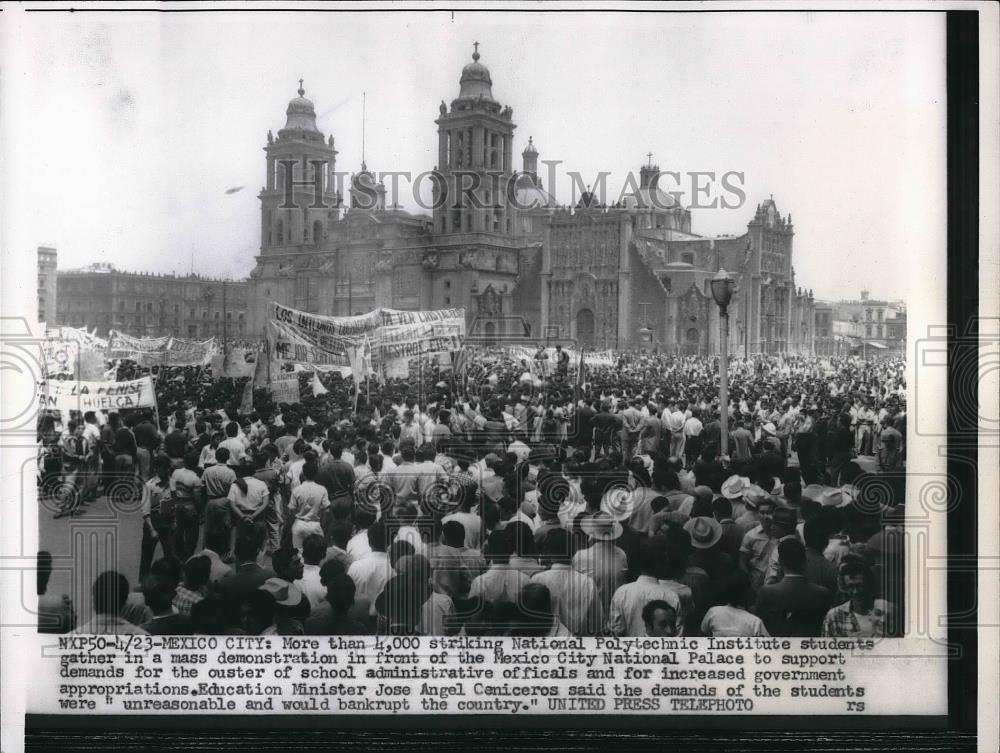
[(300, 196), (474, 158)]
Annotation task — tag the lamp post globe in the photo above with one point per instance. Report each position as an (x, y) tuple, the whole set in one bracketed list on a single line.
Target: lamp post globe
[(722, 288)]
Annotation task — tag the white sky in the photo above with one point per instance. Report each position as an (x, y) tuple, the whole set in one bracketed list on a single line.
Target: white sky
[(128, 128)]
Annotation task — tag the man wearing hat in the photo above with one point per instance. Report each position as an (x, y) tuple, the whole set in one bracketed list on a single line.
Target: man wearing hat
[(603, 560), (674, 419), (745, 509), (784, 525), (291, 605), (704, 532), (769, 439)]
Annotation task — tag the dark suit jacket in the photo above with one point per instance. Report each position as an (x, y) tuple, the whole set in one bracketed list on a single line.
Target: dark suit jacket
[(793, 607), (236, 588)]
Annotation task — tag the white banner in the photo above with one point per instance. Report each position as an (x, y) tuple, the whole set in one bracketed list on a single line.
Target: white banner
[(92, 396), (311, 338), (60, 356), (285, 388)]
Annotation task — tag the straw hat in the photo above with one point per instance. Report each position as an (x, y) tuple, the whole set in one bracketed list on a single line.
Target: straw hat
[(601, 527), (284, 593), (705, 532), (734, 487)]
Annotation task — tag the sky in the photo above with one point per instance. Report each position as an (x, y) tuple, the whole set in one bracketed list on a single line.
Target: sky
[(131, 127)]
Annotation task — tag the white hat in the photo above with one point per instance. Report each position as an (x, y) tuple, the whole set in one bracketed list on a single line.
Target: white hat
[(284, 593), (734, 486), (601, 527), (705, 532)]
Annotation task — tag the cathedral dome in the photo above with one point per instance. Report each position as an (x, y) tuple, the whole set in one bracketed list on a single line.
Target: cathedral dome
[(650, 198), (476, 81), (301, 115), (531, 196)]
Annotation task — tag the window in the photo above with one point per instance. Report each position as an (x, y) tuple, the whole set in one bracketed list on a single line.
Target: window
[(688, 258), (447, 284), (868, 330), (216, 314), (447, 300), (138, 306), (149, 308)]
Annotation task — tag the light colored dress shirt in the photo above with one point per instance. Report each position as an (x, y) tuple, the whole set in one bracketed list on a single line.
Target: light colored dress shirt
[(500, 583), (625, 612), (574, 598), (370, 574)]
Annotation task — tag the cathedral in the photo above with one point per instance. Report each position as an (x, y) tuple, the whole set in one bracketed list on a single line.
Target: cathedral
[(627, 276)]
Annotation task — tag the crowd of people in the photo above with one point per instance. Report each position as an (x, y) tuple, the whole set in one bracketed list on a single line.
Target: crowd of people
[(508, 500)]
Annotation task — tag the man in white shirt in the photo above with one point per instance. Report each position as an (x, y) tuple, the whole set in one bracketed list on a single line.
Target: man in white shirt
[(604, 562), (501, 582), (625, 612), (372, 571), (574, 595), (234, 444), (313, 554)]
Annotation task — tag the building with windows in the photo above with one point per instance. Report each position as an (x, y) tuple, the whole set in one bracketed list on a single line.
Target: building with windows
[(864, 326), (630, 275), (48, 262), (152, 305)]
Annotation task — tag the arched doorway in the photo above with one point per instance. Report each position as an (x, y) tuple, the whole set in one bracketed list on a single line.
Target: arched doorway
[(692, 340), (585, 327), (490, 330)]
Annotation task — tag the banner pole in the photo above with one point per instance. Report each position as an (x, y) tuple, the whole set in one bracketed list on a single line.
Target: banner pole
[(156, 401)]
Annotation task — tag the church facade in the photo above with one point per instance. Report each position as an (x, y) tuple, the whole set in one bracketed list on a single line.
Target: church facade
[(631, 275)]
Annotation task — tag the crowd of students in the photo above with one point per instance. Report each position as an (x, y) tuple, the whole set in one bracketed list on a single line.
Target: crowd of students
[(507, 501)]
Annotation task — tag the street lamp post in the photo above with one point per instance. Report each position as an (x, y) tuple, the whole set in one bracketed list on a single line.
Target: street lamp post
[(722, 291)]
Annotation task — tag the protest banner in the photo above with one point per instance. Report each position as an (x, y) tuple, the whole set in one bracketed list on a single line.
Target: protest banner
[(397, 368), (235, 367), (121, 345), (87, 340), (181, 352), (285, 388), (70, 395), (60, 356), (91, 366), (312, 338)]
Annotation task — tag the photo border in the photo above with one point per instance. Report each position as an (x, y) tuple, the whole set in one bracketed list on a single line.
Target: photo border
[(956, 731)]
